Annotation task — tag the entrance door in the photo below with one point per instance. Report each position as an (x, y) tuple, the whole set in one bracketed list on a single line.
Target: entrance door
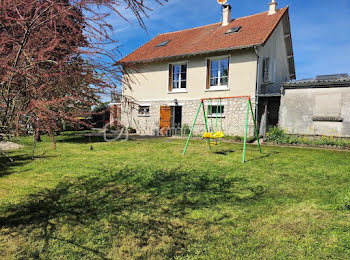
[(177, 114), (165, 119)]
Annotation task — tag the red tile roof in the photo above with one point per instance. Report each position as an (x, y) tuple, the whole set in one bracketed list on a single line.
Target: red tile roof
[(256, 29)]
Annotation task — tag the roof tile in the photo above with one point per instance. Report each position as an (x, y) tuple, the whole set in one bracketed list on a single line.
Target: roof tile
[(255, 30)]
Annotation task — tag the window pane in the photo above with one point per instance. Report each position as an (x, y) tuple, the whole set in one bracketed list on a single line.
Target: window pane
[(213, 81), (176, 69), (224, 64), (183, 76), (214, 70), (175, 76), (223, 80), (183, 84), (214, 74), (183, 68), (224, 72), (214, 65), (217, 110), (175, 84)]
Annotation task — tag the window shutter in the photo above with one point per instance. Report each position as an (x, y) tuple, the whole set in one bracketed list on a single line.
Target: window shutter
[(274, 71), (266, 70), (170, 76), (208, 74)]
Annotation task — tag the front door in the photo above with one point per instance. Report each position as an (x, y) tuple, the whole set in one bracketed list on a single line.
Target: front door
[(165, 119), (177, 117)]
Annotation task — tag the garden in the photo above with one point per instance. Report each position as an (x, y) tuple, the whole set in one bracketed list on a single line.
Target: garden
[(142, 199)]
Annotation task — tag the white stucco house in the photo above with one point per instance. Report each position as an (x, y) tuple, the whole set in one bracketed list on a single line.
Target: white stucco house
[(170, 74)]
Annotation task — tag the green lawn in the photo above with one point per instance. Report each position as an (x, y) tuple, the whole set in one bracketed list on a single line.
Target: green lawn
[(144, 200)]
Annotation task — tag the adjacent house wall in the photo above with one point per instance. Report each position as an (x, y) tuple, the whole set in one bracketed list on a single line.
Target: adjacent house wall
[(305, 111), (276, 49)]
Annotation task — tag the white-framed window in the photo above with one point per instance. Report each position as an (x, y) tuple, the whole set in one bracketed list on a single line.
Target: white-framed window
[(269, 70), (178, 77), (143, 111), (218, 73), (216, 111)]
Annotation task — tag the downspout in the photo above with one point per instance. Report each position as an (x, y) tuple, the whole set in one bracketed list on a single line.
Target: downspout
[(257, 87)]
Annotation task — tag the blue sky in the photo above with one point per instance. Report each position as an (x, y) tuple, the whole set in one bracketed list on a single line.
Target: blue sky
[(320, 28)]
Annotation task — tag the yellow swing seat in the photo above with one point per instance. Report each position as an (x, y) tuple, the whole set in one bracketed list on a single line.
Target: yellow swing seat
[(207, 135), (218, 134)]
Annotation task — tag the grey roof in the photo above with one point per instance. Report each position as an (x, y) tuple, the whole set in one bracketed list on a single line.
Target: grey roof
[(337, 80)]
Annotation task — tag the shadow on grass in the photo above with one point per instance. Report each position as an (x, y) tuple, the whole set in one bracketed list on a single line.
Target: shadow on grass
[(82, 139), (224, 152), (123, 214), (8, 163), (262, 156)]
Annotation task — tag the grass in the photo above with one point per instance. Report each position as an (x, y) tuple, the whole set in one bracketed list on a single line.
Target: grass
[(144, 200)]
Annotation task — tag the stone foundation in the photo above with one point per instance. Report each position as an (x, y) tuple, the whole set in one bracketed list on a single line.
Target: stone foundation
[(233, 121)]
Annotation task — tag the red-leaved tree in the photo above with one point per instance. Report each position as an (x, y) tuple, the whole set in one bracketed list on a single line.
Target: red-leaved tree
[(53, 60)]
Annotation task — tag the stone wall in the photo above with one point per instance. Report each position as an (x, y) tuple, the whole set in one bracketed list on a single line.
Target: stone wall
[(233, 121), (316, 111)]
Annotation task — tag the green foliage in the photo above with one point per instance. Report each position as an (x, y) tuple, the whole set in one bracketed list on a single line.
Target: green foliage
[(131, 130), (185, 130), (277, 135), (143, 200)]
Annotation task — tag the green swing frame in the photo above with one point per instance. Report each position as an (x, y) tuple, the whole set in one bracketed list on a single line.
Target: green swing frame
[(202, 105)]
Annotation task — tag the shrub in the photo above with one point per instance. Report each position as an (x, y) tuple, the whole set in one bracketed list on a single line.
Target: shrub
[(277, 135), (131, 130), (185, 129)]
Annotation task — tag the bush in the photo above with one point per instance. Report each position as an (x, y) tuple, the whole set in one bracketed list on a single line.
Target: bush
[(277, 135), (185, 129), (131, 130)]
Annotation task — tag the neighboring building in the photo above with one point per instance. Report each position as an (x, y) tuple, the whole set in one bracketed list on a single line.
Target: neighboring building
[(245, 56), (319, 106), (115, 111)]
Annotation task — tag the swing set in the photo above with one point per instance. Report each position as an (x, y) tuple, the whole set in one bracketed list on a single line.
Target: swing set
[(213, 135)]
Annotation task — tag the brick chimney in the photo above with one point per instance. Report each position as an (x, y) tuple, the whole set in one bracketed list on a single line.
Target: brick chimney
[(273, 8), (226, 14)]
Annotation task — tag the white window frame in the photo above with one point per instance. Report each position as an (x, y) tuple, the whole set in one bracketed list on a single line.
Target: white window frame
[(219, 87), (178, 90), (217, 115)]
